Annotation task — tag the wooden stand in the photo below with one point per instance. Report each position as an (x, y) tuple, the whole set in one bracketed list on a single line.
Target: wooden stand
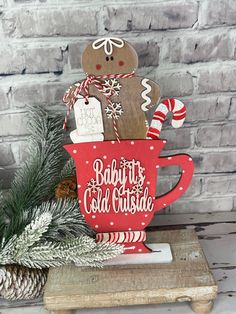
[(187, 278)]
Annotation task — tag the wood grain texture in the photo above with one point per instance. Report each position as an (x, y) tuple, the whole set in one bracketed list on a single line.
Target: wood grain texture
[(62, 312), (132, 123), (187, 278), (224, 304), (108, 64), (202, 307)]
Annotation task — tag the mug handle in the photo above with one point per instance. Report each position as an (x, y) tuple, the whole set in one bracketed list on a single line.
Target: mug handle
[(185, 162)]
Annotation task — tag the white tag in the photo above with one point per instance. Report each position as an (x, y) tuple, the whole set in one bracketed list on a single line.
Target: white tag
[(88, 117), (161, 253)]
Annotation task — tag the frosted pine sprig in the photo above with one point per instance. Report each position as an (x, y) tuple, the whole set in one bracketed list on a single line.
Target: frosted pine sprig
[(7, 249), (82, 251), (32, 234), (101, 252), (41, 234), (32, 249), (67, 219), (17, 246)]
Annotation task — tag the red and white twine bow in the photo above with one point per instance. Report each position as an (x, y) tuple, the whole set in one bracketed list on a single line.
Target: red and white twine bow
[(70, 98)]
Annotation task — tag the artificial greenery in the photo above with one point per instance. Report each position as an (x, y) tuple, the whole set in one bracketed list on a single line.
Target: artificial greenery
[(36, 230), (35, 181), (33, 249), (68, 169)]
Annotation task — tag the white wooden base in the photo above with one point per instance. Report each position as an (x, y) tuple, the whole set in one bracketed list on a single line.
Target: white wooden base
[(161, 253)]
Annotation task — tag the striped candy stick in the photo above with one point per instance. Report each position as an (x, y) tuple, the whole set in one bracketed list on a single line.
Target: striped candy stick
[(168, 105), (115, 128), (121, 236)]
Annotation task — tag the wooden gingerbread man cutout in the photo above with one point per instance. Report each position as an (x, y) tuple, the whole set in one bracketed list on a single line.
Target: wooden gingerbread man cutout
[(115, 97)]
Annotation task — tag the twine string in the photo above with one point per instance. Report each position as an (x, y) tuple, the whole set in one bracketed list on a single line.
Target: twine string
[(98, 81)]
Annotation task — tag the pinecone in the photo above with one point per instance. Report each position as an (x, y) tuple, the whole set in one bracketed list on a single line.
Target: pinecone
[(19, 282), (67, 188)]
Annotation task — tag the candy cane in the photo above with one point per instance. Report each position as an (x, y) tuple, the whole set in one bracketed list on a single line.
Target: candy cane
[(168, 105), (121, 237)]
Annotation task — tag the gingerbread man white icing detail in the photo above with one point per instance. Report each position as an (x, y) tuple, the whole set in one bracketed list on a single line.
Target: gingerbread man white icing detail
[(107, 43), (147, 90)]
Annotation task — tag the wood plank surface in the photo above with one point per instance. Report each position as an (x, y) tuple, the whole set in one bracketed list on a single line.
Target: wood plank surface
[(195, 219), (186, 278), (220, 250), (224, 304)]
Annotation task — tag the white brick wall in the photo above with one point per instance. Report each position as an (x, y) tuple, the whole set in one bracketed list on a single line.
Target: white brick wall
[(187, 46)]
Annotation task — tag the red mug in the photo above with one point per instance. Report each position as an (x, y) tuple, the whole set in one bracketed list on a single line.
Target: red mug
[(117, 187)]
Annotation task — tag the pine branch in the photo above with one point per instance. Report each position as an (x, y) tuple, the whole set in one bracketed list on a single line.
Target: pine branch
[(1, 198), (66, 221), (83, 251), (36, 180), (32, 231), (68, 169), (32, 234), (100, 253), (7, 249), (2, 217), (32, 249), (17, 246)]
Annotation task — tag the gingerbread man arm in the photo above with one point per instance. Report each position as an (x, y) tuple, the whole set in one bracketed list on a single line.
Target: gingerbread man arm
[(150, 94)]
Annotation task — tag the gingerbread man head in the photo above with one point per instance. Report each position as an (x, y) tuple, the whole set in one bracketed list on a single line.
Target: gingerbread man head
[(109, 56)]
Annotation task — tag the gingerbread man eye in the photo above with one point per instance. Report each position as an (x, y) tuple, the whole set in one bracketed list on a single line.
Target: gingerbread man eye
[(107, 58), (112, 58)]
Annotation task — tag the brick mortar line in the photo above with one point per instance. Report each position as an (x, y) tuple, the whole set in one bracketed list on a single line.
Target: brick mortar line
[(48, 77), (193, 149), (164, 68), (93, 3), (199, 150), (130, 35), (205, 176), (202, 198), (44, 80), (194, 126), (133, 34), (60, 107), (15, 139), (178, 66), (163, 177)]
